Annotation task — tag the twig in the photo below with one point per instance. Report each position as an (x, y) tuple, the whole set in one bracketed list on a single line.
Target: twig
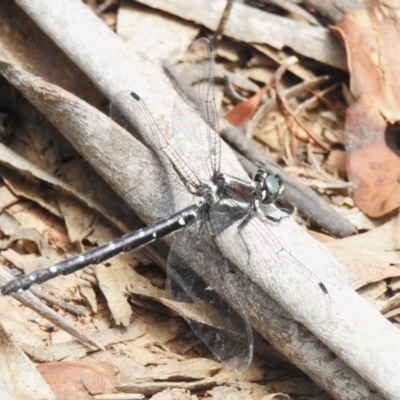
[(30, 300), (72, 308), (287, 112), (294, 9)]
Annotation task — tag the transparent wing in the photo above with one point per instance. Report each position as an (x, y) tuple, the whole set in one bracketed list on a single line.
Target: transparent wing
[(259, 249), (177, 178), (194, 136), (219, 322), (304, 284), (194, 113)]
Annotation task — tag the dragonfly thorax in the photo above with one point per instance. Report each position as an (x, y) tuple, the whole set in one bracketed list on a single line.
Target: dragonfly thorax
[(207, 191), (265, 188)]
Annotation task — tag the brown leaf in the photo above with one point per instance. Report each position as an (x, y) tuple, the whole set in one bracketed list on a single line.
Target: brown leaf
[(372, 131), (372, 256), (336, 163), (244, 110), (78, 380)]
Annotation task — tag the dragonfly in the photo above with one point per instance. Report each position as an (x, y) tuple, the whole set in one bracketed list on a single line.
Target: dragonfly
[(199, 273)]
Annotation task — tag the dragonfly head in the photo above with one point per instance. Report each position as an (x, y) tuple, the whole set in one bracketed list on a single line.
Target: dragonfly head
[(270, 186)]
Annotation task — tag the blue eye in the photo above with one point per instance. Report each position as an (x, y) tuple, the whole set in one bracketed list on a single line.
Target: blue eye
[(272, 184)]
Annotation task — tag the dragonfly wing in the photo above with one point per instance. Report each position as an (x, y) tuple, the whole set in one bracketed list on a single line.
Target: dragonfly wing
[(250, 238), (201, 280), (195, 117), (170, 193)]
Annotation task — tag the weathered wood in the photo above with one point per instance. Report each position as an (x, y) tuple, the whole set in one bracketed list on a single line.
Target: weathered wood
[(251, 25)]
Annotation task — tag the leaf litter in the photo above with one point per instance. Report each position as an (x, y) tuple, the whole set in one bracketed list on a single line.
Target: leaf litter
[(150, 344)]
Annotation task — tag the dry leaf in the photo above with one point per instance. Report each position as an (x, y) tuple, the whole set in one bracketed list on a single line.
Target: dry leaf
[(372, 129), (244, 110), (371, 256), (77, 380)]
